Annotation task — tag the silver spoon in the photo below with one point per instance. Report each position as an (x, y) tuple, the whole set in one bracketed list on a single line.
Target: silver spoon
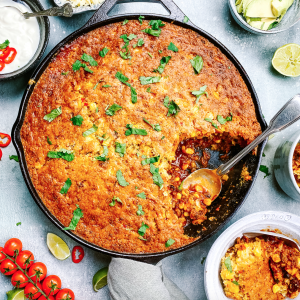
[(288, 241), (63, 11), (211, 179)]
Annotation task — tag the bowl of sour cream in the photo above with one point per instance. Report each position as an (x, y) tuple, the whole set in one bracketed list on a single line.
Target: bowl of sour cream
[(22, 41)]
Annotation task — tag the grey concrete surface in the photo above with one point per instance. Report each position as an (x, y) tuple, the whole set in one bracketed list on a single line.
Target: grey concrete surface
[(185, 269)]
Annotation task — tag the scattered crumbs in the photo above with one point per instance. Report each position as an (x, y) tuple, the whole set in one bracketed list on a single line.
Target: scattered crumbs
[(203, 260)]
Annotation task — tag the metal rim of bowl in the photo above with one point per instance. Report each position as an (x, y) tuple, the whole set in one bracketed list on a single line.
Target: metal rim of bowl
[(290, 162), (44, 26)]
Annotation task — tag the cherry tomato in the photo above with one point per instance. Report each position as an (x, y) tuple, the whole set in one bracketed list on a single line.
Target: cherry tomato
[(65, 294), (13, 245), (7, 267), (25, 259), (31, 292), (51, 285), (44, 298), (19, 279), (37, 271), (2, 256)]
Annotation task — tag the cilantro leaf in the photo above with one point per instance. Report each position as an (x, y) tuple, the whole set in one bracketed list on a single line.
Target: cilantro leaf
[(89, 59), (131, 36), (156, 127), (48, 141), (77, 65), (77, 120), (156, 176), (143, 229), (53, 114), (185, 19), (124, 80), (121, 77), (4, 45), (139, 43), (228, 265), (203, 260), (113, 109), (199, 93), (90, 131), (106, 85), (142, 195), (163, 63), (133, 94), (102, 138), (103, 52), (62, 153), (265, 170), (121, 179), (19, 223), (103, 156), (152, 32), (85, 68), (121, 148), (235, 282), (140, 211), (14, 157), (172, 47), (135, 131), (197, 63), (222, 121), (64, 73), (150, 160), (141, 19), (148, 90), (125, 22), (156, 24), (77, 214), (66, 186), (173, 108), (211, 121), (113, 201), (272, 25), (148, 80), (169, 242)]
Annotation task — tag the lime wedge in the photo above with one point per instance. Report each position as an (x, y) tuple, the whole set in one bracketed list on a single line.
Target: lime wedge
[(100, 279), (57, 246), (17, 294), (286, 60)]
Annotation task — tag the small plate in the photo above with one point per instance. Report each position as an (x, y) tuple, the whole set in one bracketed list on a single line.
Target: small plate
[(289, 224), (79, 9)]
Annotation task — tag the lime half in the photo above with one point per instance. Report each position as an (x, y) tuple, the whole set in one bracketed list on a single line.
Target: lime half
[(100, 279), (286, 60), (17, 294), (57, 246)]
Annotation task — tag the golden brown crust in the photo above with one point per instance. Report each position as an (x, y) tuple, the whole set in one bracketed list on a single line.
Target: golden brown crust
[(94, 183)]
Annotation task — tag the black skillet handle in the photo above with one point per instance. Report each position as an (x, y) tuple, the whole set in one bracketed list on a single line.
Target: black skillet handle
[(101, 13)]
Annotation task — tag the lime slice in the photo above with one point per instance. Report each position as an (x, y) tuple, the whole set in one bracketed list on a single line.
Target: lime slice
[(100, 279), (17, 294), (286, 60), (57, 246)]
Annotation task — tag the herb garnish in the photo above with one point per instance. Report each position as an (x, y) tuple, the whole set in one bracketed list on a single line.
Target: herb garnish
[(265, 170), (4, 45), (142, 195), (48, 141), (139, 43), (203, 260), (77, 214), (150, 160), (89, 59), (162, 137), (135, 131), (150, 55), (222, 121), (155, 30), (113, 201), (53, 114), (163, 63), (62, 153), (147, 80), (19, 223), (143, 229), (66, 186), (124, 80), (228, 265), (148, 90), (199, 93), (77, 65), (103, 52), (172, 47), (185, 19), (126, 39), (77, 120), (121, 148), (113, 109), (14, 157), (90, 131), (274, 24), (140, 211), (211, 121), (197, 63), (235, 282), (159, 51), (169, 242), (173, 108), (103, 156), (125, 22), (156, 127), (141, 19), (121, 179), (102, 138), (64, 73), (106, 85), (156, 176)]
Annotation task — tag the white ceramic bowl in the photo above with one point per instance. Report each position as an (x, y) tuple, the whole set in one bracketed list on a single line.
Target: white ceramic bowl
[(79, 9), (283, 170), (290, 19), (289, 224)]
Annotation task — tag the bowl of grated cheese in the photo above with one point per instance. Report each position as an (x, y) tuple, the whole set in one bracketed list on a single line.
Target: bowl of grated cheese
[(80, 6)]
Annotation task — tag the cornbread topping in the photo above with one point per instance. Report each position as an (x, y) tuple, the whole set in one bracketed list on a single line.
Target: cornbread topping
[(296, 164), (119, 118)]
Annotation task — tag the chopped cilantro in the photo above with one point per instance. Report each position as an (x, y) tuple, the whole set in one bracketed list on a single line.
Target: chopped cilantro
[(163, 63), (126, 39), (228, 265), (66, 186), (140, 211), (125, 22), (4, 45), (211, 121), (142, 195), (19, 223), (235, 282), (172, 47), (113, 109), (142, 238), (199, 93), (148, 80), (272, 25), (159, 51), (162, 137), (152, 32), (77, 214), (156, 127), (62, 153), (148, 90), (185, 19), (89, 59), (265, 170), (141, 19), (169, 242), (48, 141), (77, 65), (97, 110), (53, 114), (173, 108), (121, 179), (103, 52), (121, 148), (103, 156), (150, 55), (90, 131), (181, 186), (139, 43), (124, 80), (143, 229), (122, 77), (14, 157), (197, 63), (156, 24), (150, 160), (156, 176), (113, 201), (64, 73), (102, 138), (135, 131), (77, 120), (203, 260), (222, 121), (106, 85), (263, 154)]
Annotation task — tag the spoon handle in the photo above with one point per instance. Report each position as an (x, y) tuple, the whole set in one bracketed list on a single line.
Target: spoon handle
[(63, 11), (286, 116)]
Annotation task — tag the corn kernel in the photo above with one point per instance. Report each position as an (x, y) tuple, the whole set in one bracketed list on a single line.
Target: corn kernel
[(257, 251), (184, 166), (225, 274), (186, 214), (178, 196), (225, 177), (217, 96), (185, 193), (196, 195), (181, 205), (193, 134), (276, 258), (207, 201), (198, 188), (276, 288), (177, 179), (189, 151), (233, 287)]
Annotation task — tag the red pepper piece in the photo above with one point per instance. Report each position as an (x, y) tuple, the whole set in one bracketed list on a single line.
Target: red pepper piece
[(5, 136), (4, 53), (2, 65), (79, 257), (0, 154), (11, 55)]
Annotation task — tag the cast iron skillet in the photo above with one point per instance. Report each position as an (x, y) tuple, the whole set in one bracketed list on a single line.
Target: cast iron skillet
[(234, 192)]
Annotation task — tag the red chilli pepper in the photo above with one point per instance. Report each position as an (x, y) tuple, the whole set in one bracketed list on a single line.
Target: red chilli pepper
[(0, 154), (5, 136), (2, 65), (4, 53), (11, 55), (77, 257)]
